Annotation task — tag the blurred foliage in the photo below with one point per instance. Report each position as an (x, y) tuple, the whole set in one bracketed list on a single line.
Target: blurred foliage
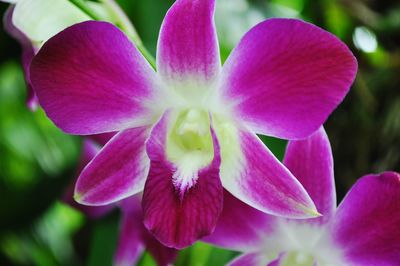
[(47, 241), (37, 161), (103, 242)]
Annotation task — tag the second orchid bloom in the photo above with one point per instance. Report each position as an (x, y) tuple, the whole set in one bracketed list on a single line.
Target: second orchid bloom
[(363, 230), (189, 129)]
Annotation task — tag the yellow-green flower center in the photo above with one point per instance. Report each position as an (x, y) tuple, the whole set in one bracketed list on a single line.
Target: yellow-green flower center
[(191, 131), (189, 146), (295, 258)]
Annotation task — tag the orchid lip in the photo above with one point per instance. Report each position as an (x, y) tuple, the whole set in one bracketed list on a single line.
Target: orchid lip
[(189, 146)]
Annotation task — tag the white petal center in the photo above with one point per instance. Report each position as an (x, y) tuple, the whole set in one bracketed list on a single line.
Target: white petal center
[(303, 245)]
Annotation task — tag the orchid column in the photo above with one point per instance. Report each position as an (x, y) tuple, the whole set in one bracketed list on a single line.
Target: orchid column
[(189, 129)]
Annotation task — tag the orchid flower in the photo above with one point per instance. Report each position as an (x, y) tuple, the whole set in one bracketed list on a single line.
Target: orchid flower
[(189, 129), (134, 237), (363, 230)]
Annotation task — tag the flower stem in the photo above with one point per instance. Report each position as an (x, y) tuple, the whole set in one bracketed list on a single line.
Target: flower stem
[(121, 21), (147, 55), (86, 9)]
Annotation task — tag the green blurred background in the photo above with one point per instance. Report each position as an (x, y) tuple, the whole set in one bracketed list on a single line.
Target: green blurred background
[(37, 161)]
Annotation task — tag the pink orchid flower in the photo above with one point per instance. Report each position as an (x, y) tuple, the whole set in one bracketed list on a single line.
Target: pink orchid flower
[(28, 52), (189, 129), (134, 238), (363, 230)]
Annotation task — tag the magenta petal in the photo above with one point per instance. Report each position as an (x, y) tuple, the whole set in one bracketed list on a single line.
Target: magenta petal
[(286, 76), (175, 219), (367, 223), (89, 151), (188, 44), (118, 171), (91, 79), (240, 227), (163, 255), (258, 178), (130, 243), (276, 262), (311, 162), (132, 209)]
